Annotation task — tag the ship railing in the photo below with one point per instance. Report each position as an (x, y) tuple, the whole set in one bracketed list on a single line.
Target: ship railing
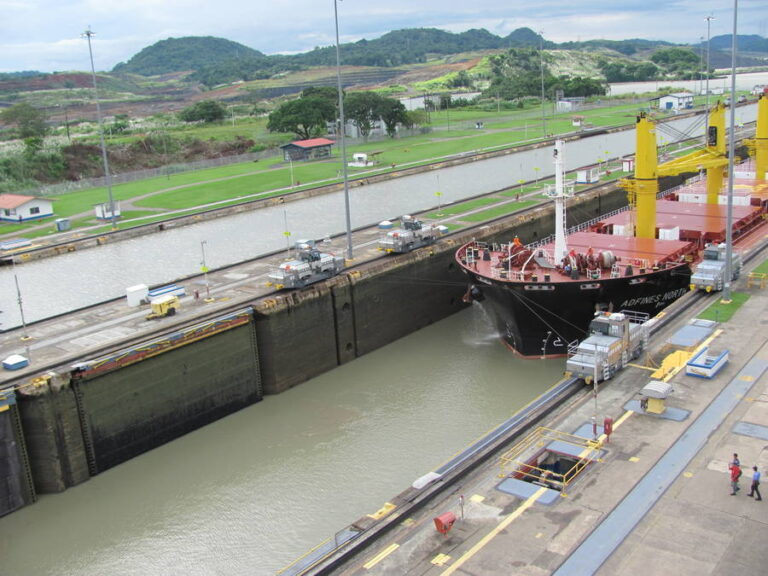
[(636, 317), (589, 223)]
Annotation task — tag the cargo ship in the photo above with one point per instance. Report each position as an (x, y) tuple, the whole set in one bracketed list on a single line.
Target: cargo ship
[(544, 295)]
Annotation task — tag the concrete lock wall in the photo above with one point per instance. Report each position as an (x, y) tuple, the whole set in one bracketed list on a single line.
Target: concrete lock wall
[(52, 432), (16, 488), (78, 429), (404, 294), (296, 336), (139, 407)]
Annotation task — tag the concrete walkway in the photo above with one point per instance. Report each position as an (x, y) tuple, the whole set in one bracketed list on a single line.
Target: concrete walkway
[(657, 502)]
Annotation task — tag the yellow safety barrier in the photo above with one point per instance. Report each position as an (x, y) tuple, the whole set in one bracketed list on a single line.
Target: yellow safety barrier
[(536, 442), (757, 278)]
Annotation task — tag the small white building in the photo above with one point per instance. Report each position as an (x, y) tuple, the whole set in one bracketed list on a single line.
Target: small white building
[(18, 208), (676, 101), (360, 160), (103, 211)]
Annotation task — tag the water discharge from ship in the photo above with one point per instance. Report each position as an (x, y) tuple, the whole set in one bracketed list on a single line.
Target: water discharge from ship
[(483, 331)]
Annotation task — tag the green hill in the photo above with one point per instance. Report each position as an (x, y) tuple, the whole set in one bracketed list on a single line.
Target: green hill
[(190, 53)]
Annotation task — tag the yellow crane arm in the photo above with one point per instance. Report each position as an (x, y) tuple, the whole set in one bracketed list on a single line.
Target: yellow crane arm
[(694, 162)]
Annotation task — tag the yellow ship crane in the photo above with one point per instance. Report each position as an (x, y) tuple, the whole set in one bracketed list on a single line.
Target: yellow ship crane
[(642, 190), (759, 144)]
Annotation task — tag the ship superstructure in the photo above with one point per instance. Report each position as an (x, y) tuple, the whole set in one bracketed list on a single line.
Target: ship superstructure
[(544, 295)]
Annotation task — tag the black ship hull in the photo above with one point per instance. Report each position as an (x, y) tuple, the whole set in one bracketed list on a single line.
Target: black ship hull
[(540, 319)]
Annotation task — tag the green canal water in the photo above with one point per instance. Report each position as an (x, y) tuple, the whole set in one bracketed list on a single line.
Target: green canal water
[(252, 492)]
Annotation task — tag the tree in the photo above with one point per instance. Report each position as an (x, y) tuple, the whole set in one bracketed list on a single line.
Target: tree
[(205, 111), (393, 112), (29, 121), (330, 93), (363, 108), (415, 118), (306, 117), (121, 125)]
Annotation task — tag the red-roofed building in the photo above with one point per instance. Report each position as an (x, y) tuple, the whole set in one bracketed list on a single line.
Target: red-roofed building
[(312, 149), (18, 208)]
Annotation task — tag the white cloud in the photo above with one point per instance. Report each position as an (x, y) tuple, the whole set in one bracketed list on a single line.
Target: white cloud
[(44, 34)]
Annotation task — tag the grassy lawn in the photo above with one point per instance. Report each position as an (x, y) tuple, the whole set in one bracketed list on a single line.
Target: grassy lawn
[(499, 211), (453, 133), (453, 209), (720, 312), (762, 268)]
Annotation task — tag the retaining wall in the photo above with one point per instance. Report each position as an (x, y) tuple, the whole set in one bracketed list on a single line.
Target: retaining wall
[(77, 425)]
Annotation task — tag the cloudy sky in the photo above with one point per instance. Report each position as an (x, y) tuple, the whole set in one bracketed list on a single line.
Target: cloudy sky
[(44, 35)]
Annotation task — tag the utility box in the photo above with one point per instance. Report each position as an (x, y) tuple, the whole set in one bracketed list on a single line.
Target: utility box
[(445, 522), (15, 362), (137, 295), (63, 224)]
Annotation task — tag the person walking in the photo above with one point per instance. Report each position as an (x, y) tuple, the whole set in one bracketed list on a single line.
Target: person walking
[(755, 490)]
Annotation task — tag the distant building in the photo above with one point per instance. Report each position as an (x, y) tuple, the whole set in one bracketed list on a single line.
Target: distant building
[(312, 149), (676, 101), (378, 128), (18, 208), (570, 104)]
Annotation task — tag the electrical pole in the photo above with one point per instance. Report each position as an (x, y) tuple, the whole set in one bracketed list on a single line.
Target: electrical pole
[(342, 130), (541, 64), (706, 116), (731, 152), (107, 176)]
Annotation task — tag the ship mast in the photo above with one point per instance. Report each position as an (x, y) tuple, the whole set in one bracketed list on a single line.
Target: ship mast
[(559, 195)]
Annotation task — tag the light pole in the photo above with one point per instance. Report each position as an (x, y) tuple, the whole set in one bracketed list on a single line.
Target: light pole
[(107, 176), (594, 393), (701, 64), (706, 89), (204, 268), (541, 65), (286, 233), (342, 130), (731, 152), (24, 335)]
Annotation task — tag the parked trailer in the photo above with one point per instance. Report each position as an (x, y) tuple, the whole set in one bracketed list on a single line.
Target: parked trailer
[(710, 273), (615, 339)]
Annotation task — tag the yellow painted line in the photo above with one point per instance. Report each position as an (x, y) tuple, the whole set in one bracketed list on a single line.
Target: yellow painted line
[(540, 535), (623, 418), (477, 498), (634, 459), (408, 522), (380, 556), (440, 560), (493, 533), (688, 474), (746, 378)]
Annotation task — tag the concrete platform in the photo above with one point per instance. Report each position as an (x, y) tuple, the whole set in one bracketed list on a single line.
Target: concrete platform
[(658, 501)]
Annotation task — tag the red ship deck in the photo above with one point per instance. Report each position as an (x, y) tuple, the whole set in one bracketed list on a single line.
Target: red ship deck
[(697, 222)]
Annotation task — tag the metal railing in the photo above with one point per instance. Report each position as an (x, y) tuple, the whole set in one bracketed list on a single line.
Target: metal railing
[(513, 463)]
